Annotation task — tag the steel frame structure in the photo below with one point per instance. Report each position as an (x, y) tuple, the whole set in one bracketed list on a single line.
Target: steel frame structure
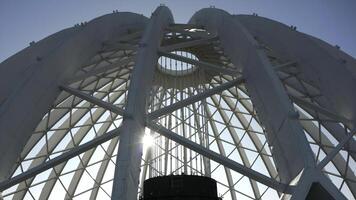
[(260, 110)]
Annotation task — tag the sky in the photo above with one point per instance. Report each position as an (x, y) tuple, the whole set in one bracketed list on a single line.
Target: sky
[(23, 21)]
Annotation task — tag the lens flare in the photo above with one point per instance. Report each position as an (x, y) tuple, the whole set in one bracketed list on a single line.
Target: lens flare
[(147, 141)]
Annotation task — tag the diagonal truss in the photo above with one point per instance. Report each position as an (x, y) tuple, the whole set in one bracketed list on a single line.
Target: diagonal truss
[(194, 98), (165, 132)]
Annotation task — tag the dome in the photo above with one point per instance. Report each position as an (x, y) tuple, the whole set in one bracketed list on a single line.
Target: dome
[(92, 111)]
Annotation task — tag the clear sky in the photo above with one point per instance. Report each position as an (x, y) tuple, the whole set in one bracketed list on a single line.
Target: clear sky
[(23, 21)]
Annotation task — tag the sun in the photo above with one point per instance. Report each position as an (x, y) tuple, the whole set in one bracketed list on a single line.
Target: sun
[(147, 140)]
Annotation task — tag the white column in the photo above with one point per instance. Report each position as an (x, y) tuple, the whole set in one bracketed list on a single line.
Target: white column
[(127, 171)]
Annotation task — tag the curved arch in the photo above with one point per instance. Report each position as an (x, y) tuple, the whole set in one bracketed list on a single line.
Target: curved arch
[(39, 71), (266, 90), (320, 64)]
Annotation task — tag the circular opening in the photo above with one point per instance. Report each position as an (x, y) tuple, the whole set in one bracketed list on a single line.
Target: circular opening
[(176, 67)]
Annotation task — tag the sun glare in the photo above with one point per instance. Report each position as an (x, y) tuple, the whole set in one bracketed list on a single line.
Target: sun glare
[(147, 140)]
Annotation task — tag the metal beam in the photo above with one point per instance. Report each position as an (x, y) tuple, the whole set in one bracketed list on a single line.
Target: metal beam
[(169, 109), (313, 175), (34, 91), (220, 159), (57, 160), (199, 149), (266, 92), (321, 110), (221, 152), (201, 135), (335, 151), (181, 45), (128, 162), (195, 98), (206, 65), (285, 65), (236, 139), (93, 100), (93, 72)]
